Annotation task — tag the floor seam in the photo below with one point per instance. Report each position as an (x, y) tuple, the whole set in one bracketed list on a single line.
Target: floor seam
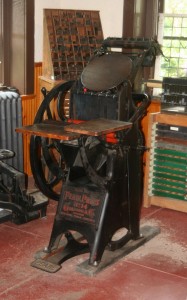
[(25, 231), (154, 269), (19, 284), (152, 214)]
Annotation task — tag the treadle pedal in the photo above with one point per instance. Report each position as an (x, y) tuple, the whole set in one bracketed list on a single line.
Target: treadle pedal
[(45, 265), (5, 215)]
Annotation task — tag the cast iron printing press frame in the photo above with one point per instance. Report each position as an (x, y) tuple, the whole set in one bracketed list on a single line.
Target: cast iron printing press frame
[(101, 147)]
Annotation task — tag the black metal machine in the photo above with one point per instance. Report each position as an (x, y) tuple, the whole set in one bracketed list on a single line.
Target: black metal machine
[(174, 96), (96, 152), (16, 202)]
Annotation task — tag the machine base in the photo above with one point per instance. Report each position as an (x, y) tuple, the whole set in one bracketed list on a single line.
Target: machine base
[(50, 262), (37, 210), (110, 257)]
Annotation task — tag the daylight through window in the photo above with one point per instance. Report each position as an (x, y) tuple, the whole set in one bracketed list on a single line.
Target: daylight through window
[(172, 35)]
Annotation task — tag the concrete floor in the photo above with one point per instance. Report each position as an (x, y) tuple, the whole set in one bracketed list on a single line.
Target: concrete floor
[(155, 271)]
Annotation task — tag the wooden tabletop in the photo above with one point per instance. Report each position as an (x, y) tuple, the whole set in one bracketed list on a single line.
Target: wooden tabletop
[(58, 130), (49, 131), (98, 127)]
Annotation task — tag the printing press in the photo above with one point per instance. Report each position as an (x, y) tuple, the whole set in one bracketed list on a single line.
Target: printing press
[(93, 156)]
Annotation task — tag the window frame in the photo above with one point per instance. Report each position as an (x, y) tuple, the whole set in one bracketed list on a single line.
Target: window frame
[(160, 39), (17, 44)]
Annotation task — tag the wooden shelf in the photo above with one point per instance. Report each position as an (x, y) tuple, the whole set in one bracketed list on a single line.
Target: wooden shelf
[(152, 83), (156, 141)]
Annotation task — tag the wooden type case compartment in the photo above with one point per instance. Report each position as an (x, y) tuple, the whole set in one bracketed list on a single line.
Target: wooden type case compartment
[(150, 198), (70, 38)]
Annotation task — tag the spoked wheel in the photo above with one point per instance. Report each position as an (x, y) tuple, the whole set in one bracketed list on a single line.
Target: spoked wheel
[(46, 157)]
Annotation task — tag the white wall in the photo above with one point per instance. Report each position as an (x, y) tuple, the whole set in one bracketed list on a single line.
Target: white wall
[(111, 14)]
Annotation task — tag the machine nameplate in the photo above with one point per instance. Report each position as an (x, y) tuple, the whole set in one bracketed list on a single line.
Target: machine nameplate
[(82, 204)]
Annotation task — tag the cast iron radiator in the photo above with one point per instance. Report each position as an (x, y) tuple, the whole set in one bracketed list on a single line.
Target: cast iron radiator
[(10, 119)]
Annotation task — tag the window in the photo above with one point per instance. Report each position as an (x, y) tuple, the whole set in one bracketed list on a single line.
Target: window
[(172, 35)]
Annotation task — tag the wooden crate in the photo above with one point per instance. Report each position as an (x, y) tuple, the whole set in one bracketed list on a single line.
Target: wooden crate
[(70, 38), (174, 120)]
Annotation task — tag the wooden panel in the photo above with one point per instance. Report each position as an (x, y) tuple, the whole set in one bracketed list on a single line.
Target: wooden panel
[(169, 203), (30, 104), (147, 199), (48, 84), (29, 109), (171, 119), (153, 108), (37, 74)]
